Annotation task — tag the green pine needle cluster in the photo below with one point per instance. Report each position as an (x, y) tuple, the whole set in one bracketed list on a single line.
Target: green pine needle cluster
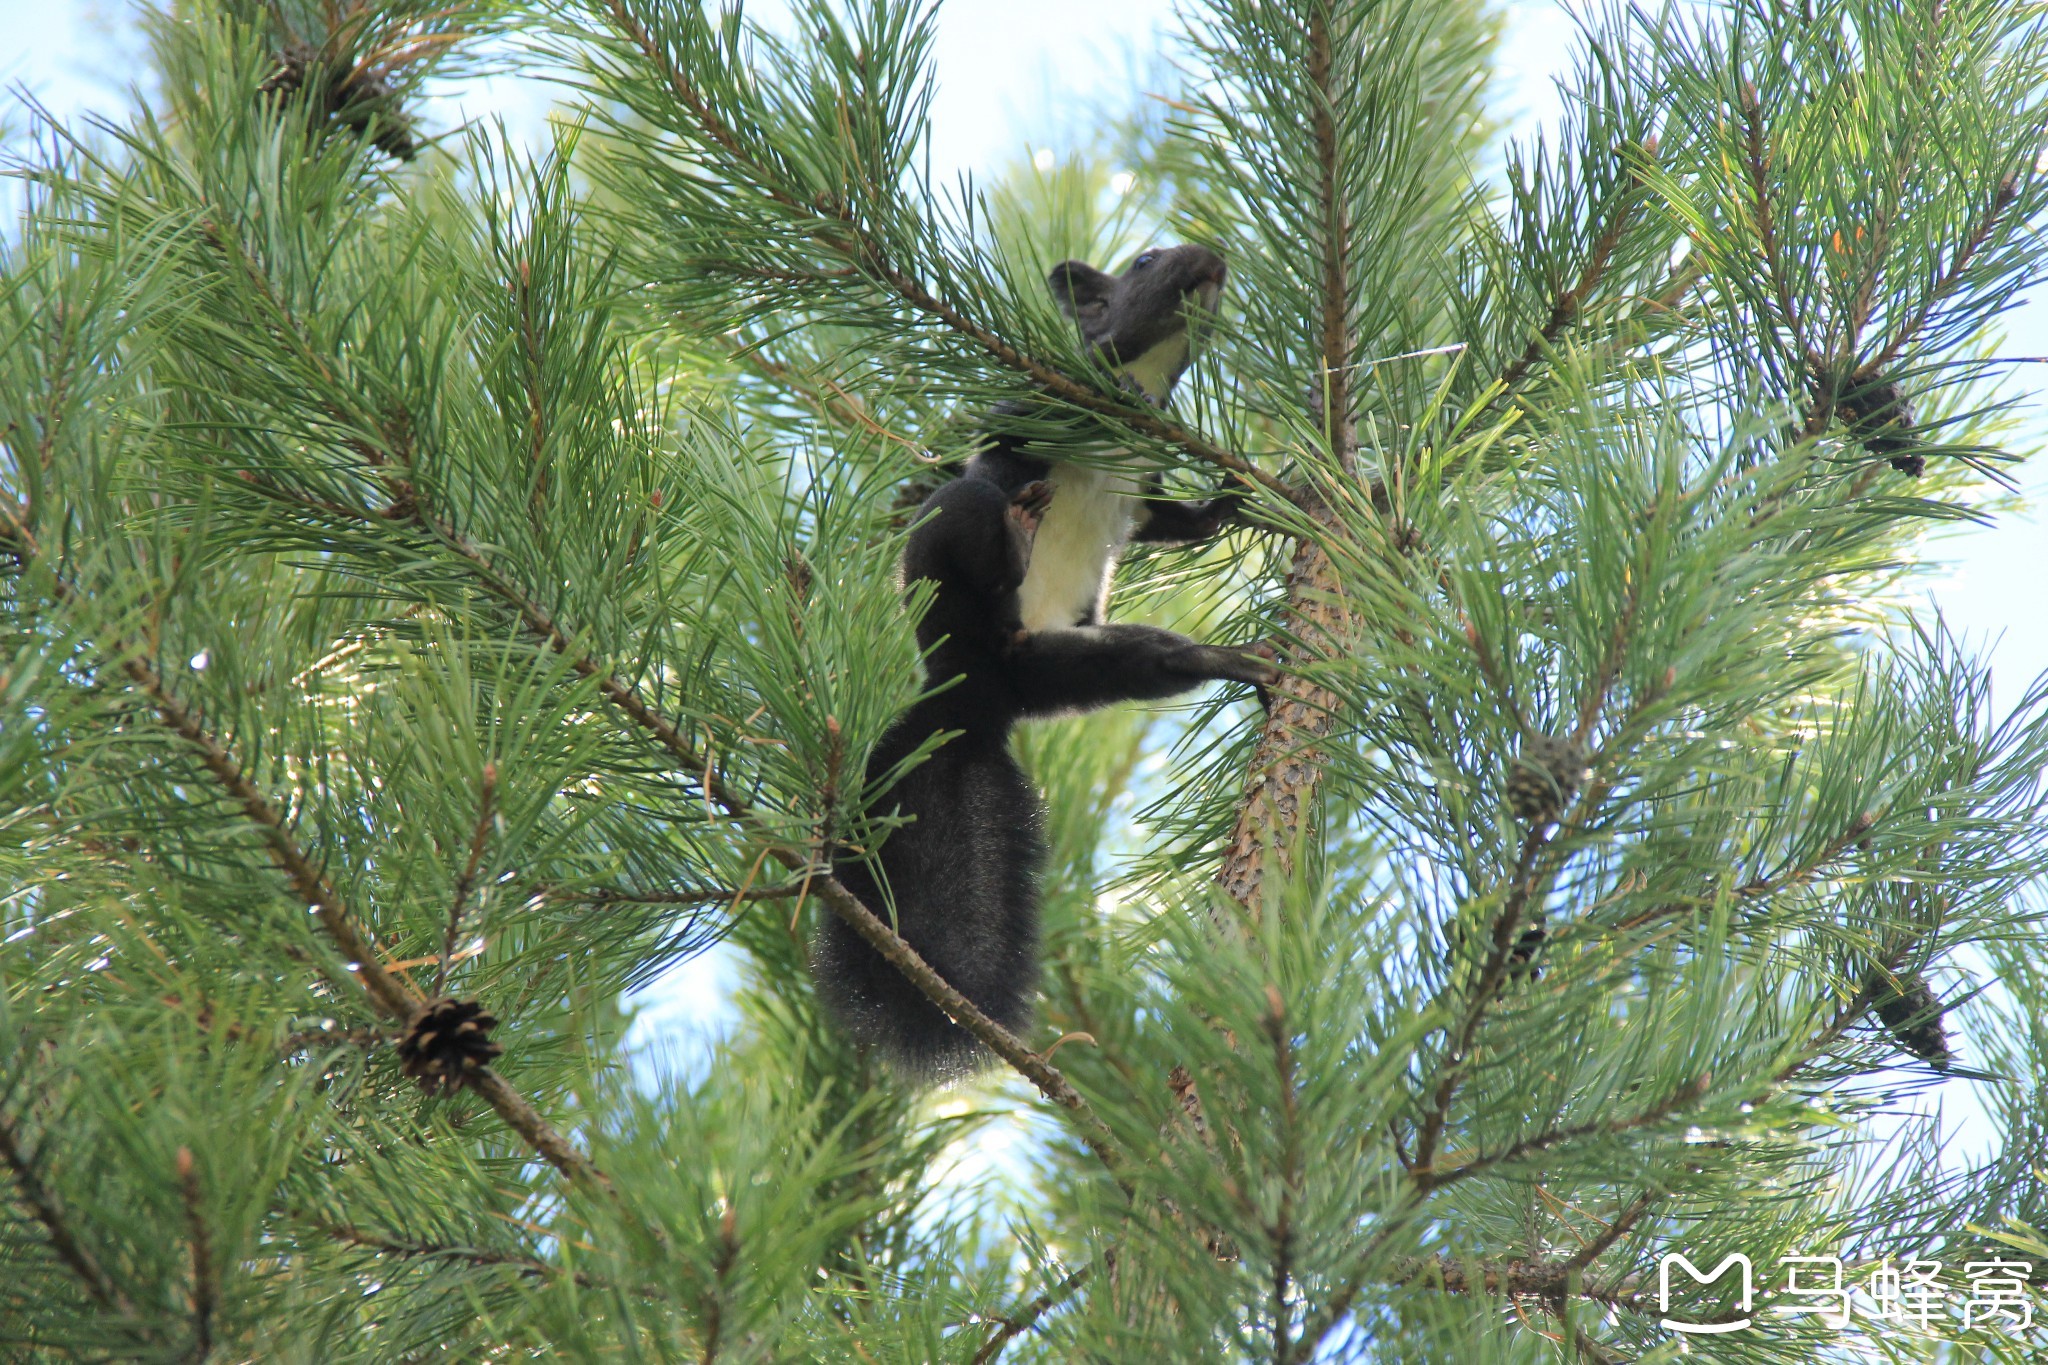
[(446, 580)]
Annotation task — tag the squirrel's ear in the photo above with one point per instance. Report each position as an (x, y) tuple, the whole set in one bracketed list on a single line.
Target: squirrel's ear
[(1081, 290)]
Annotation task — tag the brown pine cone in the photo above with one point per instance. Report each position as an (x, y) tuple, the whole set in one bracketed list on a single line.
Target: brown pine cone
[(447, 1044)]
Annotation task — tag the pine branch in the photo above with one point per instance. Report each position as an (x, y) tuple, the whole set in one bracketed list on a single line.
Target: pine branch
[(1489, 667), (299, 1040), (305, 1040), (1762, 888), (723, 1259), (385, 1245), (397, 1000), (1902, 169), (1550, 1281), (829, 401), (1757, 162), (536, 397), (999, 1040), (1287, 762), (1665, 301), (1608, 673), (700, 895), (1554, 1283), (410, 506), (42, 1203), (389, 993), (1589, 1350), (1332, 248), (1624, 1222)]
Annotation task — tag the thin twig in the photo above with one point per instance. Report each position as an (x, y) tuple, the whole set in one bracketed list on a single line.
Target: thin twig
[(1333, 247), (1491, 978), (1622, 1224), (385, 1245), (1944, 283), (1550, 1281), (1758, 163), (1281, 1232), (522, 1118), (722, 1261), (479, 839), (1685, 1094), (1490, 669), (1018, 1321), (391, 994), (205, 1288), (1555, 1283), (1564, 310), (698, 895), (1760, 888), (830, 400), (1616, 653), (43, 1204)]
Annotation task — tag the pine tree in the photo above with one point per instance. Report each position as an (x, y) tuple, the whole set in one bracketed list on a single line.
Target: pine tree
[(444, 587)]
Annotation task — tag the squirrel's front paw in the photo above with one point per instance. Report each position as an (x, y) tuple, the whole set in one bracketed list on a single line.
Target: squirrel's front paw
[(1264, 650), (1228, 664)]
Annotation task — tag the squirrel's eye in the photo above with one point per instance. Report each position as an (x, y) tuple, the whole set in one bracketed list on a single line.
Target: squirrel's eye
[(1144, 259)]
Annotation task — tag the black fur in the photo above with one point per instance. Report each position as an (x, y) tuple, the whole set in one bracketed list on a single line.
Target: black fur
[(962, 878), (960, 881)]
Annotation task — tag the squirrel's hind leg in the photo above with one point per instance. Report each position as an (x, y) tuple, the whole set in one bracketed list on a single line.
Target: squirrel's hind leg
[(973, 537)]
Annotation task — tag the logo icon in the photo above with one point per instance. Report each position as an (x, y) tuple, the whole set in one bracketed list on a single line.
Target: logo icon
[(1679, 1260)]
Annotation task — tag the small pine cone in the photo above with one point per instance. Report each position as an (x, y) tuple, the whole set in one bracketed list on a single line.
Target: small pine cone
[(292, 65), (1911, 1011), (1545, 779), (447, 1044), (1878, 415), (348, 95)]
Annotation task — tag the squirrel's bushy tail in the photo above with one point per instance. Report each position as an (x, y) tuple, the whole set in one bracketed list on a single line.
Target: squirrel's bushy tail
[(964, 876)]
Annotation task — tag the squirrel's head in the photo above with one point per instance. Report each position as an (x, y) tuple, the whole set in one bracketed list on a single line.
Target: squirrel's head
[(1138, 320)]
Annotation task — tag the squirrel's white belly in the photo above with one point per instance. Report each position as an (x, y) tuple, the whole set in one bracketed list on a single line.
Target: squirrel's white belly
[(1077, 546)]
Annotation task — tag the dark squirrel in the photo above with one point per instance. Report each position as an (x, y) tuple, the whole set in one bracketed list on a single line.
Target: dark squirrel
[(1019, 550)]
